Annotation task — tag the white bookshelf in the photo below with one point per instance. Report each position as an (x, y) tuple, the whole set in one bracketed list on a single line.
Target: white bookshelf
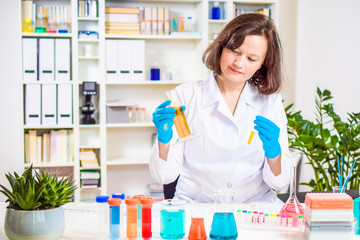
[(124, 149)]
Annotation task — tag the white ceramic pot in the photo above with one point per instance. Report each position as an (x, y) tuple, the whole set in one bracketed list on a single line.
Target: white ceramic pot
[(34, 225)]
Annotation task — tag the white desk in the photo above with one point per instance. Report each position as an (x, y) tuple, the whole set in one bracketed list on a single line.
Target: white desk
[(80, 222)]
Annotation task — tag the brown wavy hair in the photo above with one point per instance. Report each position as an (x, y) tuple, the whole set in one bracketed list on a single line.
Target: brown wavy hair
[(268, 78)]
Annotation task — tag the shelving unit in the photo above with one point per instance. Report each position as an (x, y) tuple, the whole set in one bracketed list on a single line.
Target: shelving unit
[(123, 149)]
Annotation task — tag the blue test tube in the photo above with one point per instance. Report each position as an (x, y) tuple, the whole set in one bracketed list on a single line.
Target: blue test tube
[(114, 223), (122, 206)]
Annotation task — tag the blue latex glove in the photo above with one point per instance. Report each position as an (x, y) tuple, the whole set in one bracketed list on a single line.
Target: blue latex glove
[(269, 135), (163, 120)]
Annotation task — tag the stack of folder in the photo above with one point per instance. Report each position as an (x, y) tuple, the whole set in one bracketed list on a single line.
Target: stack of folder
[(122, 21), (328, 215), (88, 158), (89, 179)]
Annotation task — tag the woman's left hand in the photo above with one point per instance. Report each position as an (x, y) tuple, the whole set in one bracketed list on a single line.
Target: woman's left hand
[(269, 134)]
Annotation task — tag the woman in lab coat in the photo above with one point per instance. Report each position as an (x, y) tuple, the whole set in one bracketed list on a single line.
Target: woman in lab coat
[(238, 97)]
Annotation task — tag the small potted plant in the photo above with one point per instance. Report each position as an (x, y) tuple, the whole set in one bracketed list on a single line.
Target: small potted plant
[(34, 210), (331, 145)]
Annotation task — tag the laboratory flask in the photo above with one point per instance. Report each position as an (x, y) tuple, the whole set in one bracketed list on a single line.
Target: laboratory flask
[(180, 121), (197, 227), (292, 208), (223, 225), (172, 219)]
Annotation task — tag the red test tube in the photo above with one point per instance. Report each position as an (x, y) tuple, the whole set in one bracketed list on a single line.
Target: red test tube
[(146, 204)]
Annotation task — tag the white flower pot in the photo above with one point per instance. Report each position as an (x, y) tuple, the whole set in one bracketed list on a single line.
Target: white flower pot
[(34, 225)]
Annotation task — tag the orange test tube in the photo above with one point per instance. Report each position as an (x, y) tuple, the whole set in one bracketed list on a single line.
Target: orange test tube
[(131, 228)]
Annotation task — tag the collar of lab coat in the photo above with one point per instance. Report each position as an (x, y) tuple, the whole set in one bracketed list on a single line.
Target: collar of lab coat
[(250, 94)]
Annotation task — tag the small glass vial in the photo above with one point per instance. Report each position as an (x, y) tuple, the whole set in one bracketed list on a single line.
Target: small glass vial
[(142, 114), (155, 72), (138, 113), (114, 226), (131, 115), (167, 75), (174, 24), (189, 25), (102, 212), (216, 11), (181, 24)]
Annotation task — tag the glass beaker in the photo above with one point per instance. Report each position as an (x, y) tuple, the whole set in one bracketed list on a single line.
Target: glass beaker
[(292, 206), (336, 189), (223, 225), (180, 121), (172, 219)]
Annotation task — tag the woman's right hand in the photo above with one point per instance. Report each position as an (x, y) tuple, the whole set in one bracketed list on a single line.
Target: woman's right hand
[(163, 120)]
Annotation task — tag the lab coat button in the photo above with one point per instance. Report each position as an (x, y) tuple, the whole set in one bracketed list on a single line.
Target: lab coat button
[(229, 185)]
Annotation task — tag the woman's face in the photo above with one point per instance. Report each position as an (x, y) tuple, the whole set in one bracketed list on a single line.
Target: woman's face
[(240, 64)]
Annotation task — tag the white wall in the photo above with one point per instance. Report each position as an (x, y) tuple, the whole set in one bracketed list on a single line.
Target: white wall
[(10, 98), (328, 49), (287, 32)]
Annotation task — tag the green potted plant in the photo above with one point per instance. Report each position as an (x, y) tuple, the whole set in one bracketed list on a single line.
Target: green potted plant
[(329, 143), (35, 200)]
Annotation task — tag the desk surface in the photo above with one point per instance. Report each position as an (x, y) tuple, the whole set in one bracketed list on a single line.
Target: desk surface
[(81, 222)]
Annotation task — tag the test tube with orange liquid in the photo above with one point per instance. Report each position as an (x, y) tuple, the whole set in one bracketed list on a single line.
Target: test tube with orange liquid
[(180, 121), (131, 227)]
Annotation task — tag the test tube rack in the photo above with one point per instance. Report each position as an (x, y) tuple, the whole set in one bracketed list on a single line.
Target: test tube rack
[(266, 221)]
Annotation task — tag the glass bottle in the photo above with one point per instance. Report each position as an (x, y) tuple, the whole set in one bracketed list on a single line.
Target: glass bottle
[(181, 24), (223, 225), (131, 115), (216, 11), (292, 206)]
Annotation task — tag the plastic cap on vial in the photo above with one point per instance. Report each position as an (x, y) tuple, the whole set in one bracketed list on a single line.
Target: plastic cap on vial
[(114, 201), (130, 108), (118, 195), (131, 201), (137, 108), (143, 108), (147, 201), (102, 199), (139, 196)]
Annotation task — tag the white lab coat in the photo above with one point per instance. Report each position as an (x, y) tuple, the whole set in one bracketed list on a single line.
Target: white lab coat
[(221, 157)]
